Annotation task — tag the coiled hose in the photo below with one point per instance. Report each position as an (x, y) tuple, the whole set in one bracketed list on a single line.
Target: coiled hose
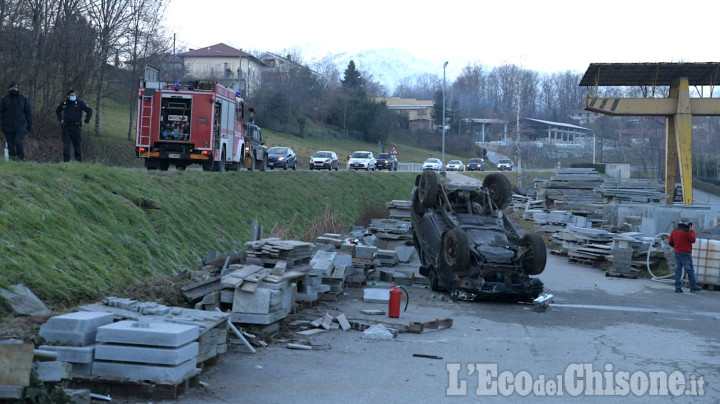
[(670, 278)]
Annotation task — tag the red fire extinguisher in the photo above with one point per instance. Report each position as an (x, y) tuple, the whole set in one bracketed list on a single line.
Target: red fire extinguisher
[(394, 303)]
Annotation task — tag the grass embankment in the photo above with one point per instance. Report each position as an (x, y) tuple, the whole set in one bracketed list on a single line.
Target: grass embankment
[(78, 232)]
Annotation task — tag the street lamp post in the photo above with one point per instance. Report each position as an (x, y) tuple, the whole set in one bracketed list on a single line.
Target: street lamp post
[(443, 123)]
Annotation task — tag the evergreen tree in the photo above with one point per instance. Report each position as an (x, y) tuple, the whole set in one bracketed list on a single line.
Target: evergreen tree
[(352, 79)]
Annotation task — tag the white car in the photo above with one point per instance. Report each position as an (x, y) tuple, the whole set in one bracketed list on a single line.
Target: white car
[(455, 165), (505, 165), (362, 160), (432, 164)]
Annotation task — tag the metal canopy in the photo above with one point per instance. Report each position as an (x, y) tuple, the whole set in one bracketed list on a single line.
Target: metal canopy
[(650, 74)]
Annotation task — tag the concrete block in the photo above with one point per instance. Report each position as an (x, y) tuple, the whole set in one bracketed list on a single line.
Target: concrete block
[(348, 248), (365, 251), (376, 295), (69, 337), (405, 253), (71, 354), (314, 289), (79, 321), (323, 262), (312, 280), (154, 334), (252, 318), (81, 369), (139, 372), (146, 354), (255, 302), (305, 297), (11, 392), (52, 371)]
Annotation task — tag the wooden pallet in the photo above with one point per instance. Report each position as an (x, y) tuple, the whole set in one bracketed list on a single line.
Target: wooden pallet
[(138, 389)]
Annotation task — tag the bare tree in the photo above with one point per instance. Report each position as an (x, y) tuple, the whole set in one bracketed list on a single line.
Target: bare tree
[(111, 19), (144, 19)]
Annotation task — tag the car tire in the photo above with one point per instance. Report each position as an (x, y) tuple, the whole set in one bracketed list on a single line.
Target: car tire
[(427, 189), (535, 257), (295, 166), (456, 250), (500, 190), (311, 168)]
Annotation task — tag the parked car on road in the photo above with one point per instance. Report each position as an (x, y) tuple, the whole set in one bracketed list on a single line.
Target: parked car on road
[(386, 162), (476, 164), (468, 247), (455, 165), (362, 160), (505, 165), (432, 164), (324, 160), (281, 157)]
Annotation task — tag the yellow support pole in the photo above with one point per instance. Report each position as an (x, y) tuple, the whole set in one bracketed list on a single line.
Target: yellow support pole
[(671, 159), (683, 137)]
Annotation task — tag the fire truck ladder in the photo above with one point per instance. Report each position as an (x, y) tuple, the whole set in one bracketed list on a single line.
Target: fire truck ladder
[(145, 122)]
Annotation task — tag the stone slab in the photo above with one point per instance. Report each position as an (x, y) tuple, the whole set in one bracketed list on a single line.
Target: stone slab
[(15, 364), (79, 321), (23, 301), (148, 355), (11, 392), (52, 371), (323, 262), (365, 251), (69, 337), (314, 289), (139, 372), (84, 354), (153, 334), (81, 369), (249, 318), (405, 253), (376, 295)]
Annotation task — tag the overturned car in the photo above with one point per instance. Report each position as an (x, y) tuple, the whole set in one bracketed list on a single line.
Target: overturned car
[(468, 247)]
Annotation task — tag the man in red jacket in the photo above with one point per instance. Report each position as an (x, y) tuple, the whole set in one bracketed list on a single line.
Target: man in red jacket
[(682, 239)]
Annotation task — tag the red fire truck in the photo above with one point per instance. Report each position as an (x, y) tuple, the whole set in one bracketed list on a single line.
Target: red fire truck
[(197, 123)]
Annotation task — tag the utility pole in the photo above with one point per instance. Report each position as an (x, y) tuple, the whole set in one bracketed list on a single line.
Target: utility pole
[(517, 131), (442, 172)]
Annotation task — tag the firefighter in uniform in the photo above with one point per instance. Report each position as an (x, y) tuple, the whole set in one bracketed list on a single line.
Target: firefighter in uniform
[(69, 113)]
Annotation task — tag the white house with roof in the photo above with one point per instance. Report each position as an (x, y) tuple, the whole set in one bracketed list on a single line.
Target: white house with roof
[(226, 65)]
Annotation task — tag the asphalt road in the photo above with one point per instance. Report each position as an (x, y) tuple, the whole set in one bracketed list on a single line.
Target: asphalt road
[(596, 323), (617, 333)]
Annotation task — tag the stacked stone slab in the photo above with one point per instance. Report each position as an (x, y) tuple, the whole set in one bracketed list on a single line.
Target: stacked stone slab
[(159, 352), (75, 329), (80, 358), (213, 323)]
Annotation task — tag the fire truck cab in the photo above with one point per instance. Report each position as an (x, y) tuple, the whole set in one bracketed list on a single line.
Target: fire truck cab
[(197, 123)]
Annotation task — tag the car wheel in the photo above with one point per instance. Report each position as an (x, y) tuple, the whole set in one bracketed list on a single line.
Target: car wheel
[(499, 188), (295, 166), (427, 189), (535, 257), (164, 165), (456, 250)]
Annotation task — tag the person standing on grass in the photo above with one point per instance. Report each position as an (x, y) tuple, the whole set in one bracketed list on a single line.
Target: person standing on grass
[(15, 118), (69, 113), (682, 239)]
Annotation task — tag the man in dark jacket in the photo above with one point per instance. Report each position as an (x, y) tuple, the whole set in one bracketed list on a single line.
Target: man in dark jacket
[(69, 113), (682, 239), (15, 118)]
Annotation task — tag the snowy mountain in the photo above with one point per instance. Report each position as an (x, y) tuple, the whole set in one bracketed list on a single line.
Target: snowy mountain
[(390, 66)]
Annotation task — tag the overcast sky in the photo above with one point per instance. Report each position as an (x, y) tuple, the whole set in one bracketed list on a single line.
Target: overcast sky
[(540, 35)]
